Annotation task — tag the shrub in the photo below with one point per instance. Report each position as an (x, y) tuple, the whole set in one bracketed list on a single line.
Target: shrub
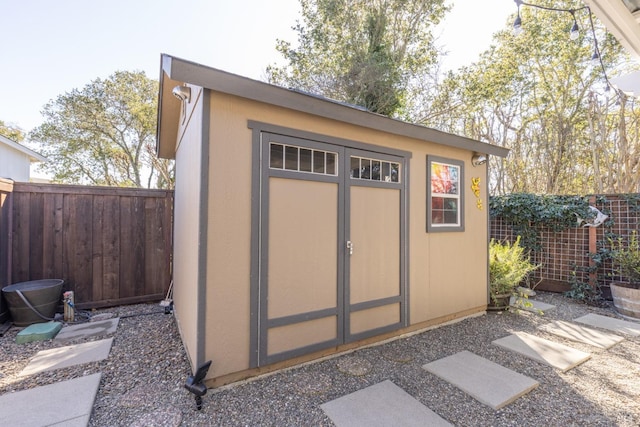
[(508, 266)]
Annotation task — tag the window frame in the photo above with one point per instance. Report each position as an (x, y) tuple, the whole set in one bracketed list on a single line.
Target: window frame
[(436, 228)]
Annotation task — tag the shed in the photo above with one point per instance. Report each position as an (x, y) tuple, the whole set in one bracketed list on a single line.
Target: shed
[(16, 159), (305, 227)]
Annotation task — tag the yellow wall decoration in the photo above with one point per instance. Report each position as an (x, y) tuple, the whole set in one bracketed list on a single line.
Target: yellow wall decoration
[(475, 187)]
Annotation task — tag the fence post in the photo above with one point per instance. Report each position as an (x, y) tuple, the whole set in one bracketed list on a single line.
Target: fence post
[(593, 274)]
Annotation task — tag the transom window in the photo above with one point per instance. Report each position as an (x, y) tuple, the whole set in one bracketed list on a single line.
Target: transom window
[(374, 170), (300, 159), (445, 179)]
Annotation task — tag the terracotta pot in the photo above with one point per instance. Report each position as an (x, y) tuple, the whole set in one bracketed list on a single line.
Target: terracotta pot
[(626, 300)]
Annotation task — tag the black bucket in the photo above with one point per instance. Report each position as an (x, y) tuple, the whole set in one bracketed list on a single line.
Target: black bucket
[(43, 295)]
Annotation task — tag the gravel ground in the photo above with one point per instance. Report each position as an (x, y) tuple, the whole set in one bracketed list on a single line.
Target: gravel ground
[(142, 380)]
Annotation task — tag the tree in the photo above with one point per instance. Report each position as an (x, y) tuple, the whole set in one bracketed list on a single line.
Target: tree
[(535, 94), (370, 53), (104, 134), (14, 133)]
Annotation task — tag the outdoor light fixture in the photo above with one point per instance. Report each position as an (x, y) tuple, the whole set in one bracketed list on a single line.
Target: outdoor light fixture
[(575, 30), (195, 383), (478, 159), (595, 58), (183, 93), (574, 33), (517, 24)]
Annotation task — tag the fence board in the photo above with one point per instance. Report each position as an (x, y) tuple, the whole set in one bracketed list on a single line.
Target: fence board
[(6, 233), (111, 245)]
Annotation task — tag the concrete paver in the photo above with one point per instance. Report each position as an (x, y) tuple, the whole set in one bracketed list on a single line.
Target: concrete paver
[(611, 323), (530, 305), (62, 357), (486, 381), (554, 354), (380, 405), (87, 330), (582, 334), (67, 403)]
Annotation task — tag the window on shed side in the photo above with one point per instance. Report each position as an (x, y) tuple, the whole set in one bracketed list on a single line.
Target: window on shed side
[(445, 194)]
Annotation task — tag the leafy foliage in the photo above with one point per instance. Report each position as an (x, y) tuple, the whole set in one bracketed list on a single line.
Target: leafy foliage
[(529, 213), (539, 95), (104, 134), (372, 53), (586, 292), (12, 132), (626, 258), (508, 266)]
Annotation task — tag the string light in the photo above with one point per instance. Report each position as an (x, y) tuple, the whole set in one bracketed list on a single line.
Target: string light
[(574, 33)]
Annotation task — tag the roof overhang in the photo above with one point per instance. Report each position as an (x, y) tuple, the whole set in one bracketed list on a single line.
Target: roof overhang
[(620, 21), (176, 71), (33, 156)]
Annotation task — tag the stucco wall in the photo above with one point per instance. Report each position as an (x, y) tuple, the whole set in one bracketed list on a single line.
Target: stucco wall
[(186, 224), (447, 273)]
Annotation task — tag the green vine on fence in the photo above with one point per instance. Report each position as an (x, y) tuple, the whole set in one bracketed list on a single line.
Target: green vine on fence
[(528, 214)]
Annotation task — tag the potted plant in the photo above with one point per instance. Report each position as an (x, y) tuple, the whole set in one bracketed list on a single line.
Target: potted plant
[(626, 262), (508, 266)]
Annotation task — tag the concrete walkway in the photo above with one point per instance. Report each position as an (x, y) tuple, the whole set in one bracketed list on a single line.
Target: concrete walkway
[(492, 384), (66, 403)]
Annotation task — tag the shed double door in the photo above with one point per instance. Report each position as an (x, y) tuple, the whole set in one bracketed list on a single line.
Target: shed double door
[(331, 247)]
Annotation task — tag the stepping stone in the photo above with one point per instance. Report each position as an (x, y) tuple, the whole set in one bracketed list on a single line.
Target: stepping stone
[(67, 403), (582, 334), (87, 330), (534, 306), (380, 405), (611, 323), (38, 332), (551, 353), (63, 357), (486, 381), (354, 365), (526, 291)]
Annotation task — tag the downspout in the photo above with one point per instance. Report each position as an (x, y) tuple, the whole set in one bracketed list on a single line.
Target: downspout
[(203, 227)]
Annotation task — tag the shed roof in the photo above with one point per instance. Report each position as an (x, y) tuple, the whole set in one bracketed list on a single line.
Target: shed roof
[(33, 156), (175, 71)]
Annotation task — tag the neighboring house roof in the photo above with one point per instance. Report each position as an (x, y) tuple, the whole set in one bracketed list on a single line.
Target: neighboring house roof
[(175, 71), (33, 156), (621, 18)]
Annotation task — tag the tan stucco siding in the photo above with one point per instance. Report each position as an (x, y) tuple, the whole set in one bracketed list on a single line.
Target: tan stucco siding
[(447, 271), (229, 237), (186, 226)]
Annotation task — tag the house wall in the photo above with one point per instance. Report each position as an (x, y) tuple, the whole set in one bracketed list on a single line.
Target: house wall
[(186, 238), (447, 270), (14, 164)]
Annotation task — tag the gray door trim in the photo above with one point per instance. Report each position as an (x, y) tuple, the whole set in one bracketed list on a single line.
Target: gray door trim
[(259, 288), (402, 186), (262, 134)]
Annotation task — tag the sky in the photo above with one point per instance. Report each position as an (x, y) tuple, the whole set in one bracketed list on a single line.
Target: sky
[(48, 48)]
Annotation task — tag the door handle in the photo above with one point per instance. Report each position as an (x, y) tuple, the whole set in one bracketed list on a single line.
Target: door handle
[(350, 247)]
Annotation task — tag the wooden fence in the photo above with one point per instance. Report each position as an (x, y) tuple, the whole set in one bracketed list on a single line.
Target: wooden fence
[(6, 188), (111, 245), (571, 251)]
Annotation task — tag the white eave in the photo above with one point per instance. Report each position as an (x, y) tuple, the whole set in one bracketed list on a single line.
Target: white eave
[(620, 22), (33, 156)]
